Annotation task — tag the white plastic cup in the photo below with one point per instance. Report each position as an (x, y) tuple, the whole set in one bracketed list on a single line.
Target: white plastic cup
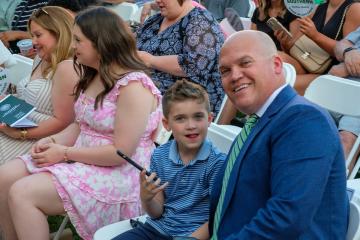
[(25, 45)]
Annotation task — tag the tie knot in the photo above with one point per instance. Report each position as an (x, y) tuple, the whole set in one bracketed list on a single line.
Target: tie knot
[(252, 119), (250, 122)]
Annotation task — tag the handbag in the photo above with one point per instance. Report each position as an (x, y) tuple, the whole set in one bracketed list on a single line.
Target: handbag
[(312, 57)]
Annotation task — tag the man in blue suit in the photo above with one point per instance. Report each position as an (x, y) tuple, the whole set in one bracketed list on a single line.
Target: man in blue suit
[(288, 177)]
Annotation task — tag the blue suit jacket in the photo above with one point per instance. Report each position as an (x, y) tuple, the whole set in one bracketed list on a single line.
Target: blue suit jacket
[(289, 180)]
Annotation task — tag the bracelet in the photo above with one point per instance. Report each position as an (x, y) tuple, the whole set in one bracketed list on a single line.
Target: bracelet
[(23, 133), (66, 159), (348, 49)]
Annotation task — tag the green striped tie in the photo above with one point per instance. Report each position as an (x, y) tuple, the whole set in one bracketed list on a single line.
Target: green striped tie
[(240, 140)]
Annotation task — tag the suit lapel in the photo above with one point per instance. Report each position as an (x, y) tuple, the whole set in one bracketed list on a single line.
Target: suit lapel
[(279, 102)]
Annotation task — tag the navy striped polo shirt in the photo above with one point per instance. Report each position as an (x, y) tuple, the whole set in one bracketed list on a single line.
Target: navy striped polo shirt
[(187, 196)]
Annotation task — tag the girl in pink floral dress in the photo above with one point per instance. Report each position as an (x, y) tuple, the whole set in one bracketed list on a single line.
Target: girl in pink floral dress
[(77, 171)]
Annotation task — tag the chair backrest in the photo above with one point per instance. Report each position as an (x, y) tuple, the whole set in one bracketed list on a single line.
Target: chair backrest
[(246, 22), (251, 8), (353, 232), (125, 10), (335, 94), (21, 69), (338, 95), (222, 137), (290, 73)]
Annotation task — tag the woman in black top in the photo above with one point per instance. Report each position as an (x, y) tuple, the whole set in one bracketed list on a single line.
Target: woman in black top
[(272, 8), (322, 28)]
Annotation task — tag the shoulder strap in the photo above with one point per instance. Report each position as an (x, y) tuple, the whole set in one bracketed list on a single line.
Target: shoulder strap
[(342, 21)]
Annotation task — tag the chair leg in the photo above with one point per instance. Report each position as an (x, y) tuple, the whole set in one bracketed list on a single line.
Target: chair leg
[(355, 169), (353, 151), (61, 228)]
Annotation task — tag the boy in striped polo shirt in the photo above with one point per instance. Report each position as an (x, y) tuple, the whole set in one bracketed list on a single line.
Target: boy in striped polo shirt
[(178, 201)]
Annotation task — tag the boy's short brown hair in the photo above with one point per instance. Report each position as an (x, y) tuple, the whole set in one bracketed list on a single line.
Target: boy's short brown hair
[(183, 90)]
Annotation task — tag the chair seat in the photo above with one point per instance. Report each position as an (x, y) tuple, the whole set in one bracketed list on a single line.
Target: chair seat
[(110, 231)]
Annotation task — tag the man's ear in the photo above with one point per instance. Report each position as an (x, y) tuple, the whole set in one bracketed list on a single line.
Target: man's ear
[(278, 64), (165, 123), (210, 118)]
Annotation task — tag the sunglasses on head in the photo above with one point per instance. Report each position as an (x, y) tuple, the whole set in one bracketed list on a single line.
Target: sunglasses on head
[(39, 11)]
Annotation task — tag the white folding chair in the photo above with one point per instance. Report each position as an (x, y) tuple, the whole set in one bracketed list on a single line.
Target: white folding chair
[(222, 137), (338, 95), (251, 8), (110, 231), (353, 232), (125, 10), (246, 23), (290, 73), (21, 69)]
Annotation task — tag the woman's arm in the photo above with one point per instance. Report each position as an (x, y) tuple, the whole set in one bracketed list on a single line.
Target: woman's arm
[(167, 63), (131, 120), (352, 21), (64, 80)]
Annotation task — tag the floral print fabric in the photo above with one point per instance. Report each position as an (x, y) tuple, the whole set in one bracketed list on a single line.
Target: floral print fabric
[(196, 39), (96, 196)]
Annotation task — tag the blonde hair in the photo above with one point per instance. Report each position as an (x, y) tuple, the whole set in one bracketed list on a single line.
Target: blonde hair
[(59, 22)]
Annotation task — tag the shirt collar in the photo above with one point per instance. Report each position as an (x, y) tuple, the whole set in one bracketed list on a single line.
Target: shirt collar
[(265, 106), (202, 155)]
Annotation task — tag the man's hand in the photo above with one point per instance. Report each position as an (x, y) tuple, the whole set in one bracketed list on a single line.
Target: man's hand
[(148, 187), (352, 62)]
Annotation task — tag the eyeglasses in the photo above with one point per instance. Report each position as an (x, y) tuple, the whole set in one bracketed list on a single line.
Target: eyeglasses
[(39, 11)]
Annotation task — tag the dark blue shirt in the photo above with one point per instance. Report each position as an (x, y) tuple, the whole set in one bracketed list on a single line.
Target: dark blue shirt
[(197, 40), (186, 205)]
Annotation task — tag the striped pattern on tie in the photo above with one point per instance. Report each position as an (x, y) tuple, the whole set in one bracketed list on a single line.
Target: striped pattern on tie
[(240, 140)]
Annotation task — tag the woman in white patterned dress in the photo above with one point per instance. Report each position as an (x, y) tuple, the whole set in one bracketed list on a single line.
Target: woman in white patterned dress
[(117, 107), (49, 87)]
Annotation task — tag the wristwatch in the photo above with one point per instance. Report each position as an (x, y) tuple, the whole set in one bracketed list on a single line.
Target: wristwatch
[(348, 49)]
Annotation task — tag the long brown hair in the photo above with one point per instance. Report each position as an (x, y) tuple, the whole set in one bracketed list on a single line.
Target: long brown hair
[(114, 43), (264, 7)]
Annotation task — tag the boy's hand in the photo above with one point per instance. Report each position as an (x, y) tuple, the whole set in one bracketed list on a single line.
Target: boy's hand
[(149, 188)]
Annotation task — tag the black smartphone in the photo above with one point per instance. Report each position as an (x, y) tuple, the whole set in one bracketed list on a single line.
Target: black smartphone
[(132, 162)]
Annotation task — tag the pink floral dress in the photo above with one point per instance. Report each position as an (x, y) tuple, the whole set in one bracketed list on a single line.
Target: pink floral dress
[(96, 196)]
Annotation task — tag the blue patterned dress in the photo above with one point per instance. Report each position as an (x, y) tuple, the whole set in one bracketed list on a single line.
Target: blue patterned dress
[(196, 39)]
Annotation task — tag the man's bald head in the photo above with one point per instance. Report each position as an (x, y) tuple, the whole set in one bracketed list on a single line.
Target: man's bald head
[(250, 69), (258, 39)]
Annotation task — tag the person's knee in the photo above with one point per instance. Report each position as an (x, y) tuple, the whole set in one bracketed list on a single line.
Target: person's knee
[(5, 178), (347, 139), (18, 193)]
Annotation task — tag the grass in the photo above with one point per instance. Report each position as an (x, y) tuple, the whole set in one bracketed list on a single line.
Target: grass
[(55, 222)]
